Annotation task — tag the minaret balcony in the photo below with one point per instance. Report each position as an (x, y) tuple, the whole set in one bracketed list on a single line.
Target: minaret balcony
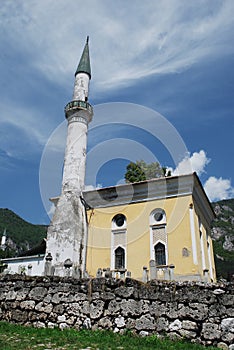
[(77, 104)]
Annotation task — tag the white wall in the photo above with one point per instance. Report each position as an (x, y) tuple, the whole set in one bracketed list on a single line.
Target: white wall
[(32, 265)]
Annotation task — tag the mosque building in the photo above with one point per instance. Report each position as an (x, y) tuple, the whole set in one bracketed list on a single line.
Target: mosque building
[(154, 229)]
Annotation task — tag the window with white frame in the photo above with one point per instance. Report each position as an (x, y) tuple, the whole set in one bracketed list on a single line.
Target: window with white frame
[(118, 241), (119, 258), (160, 254), (158, 236)]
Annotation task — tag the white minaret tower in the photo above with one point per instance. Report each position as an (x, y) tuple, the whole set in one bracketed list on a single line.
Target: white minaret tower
[(3, 240), (67, 233)]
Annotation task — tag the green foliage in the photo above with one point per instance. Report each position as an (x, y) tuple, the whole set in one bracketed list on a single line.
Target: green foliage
[(140, 171), (21, 232), (26, 338), (134, 173), (226, 202), (152, 170)]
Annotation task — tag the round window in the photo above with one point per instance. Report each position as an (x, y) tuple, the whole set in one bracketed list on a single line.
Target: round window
[(119, 220), (158, 216)]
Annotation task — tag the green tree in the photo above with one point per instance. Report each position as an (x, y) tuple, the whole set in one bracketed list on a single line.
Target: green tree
[(151, 170), (134, 173), (140, 171)]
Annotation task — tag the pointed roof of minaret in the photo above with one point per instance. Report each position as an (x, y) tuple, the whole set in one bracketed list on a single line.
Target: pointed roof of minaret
[(84, 64)]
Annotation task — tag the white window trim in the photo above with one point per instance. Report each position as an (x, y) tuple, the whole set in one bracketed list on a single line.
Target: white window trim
[(202, 250), (152, 220), (116, 227), (113, 247), (156, 224), (210, 262), (166, 250), (193, 235), (113, 256), (152, 244)]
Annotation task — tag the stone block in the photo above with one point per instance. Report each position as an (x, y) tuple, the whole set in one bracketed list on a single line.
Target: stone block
[(11, 295), (124, 292), (227, 325), (145, 323), (96, 309), (175, 326), (113, 308), (222, 346), (19, 316), (39, 324), (27, 305), (37, 293), (120, 322), (187, 334), (41, 307), (189, 325), (61, 318), (210, 331), (130, 307), (162, 324), (105, 323)]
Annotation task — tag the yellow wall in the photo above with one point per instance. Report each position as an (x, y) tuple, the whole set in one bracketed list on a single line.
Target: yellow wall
[(138, 236)]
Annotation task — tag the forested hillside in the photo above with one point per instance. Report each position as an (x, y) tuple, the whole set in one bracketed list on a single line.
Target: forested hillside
[(223, 238), (21, 235)]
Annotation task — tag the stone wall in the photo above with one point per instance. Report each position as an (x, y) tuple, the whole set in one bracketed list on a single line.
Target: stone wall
[(200, 312)]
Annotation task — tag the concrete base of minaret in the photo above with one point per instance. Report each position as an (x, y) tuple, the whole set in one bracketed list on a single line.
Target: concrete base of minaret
[(66, 237)]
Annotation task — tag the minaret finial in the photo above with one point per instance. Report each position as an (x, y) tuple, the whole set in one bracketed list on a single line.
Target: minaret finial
[(87, 40)]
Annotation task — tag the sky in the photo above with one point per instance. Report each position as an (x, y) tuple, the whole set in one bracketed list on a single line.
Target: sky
[(162, 89)]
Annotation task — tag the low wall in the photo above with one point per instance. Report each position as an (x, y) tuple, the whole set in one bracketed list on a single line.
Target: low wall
[(200, 312)]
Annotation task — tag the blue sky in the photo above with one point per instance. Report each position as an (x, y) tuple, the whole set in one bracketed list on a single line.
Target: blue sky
[(173, 57)]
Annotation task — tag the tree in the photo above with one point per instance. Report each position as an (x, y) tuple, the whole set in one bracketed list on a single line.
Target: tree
[(151, 170), (140, 171), (134, 173)]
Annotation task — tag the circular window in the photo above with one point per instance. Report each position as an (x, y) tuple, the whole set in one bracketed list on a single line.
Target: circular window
[(119, 220), (158, 216)]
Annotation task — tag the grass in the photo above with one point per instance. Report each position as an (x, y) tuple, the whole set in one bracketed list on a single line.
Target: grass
[(27, 338)]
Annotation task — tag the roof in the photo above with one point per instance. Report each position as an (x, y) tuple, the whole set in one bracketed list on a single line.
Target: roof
[(37, 250), (159, 188), (84, 64)]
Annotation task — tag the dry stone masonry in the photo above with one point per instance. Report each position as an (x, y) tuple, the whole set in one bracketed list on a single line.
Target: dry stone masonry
[(200, 312)]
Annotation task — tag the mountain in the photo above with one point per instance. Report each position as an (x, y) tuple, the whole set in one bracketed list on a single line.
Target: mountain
[(223, 238), (21, 235)]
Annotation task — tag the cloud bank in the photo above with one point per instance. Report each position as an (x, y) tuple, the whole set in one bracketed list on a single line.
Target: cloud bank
[(197, 162), (173, 36), (218, 188), (215, 188)]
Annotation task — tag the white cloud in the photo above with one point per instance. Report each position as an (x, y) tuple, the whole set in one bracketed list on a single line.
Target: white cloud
[(151, 37), (197, 162), (91, 187), (218, 188)]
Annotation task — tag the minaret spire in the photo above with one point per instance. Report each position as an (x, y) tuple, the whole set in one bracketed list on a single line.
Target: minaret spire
[(84, 64), (83, 75)]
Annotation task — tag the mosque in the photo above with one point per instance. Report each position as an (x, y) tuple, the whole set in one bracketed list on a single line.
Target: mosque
[(154, 229)]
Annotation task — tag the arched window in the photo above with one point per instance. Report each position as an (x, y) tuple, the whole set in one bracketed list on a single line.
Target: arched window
[(119, 258), (160, 254)]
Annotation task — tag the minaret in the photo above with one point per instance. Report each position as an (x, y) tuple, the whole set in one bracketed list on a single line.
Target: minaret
[(3, 240), (67, 233)]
